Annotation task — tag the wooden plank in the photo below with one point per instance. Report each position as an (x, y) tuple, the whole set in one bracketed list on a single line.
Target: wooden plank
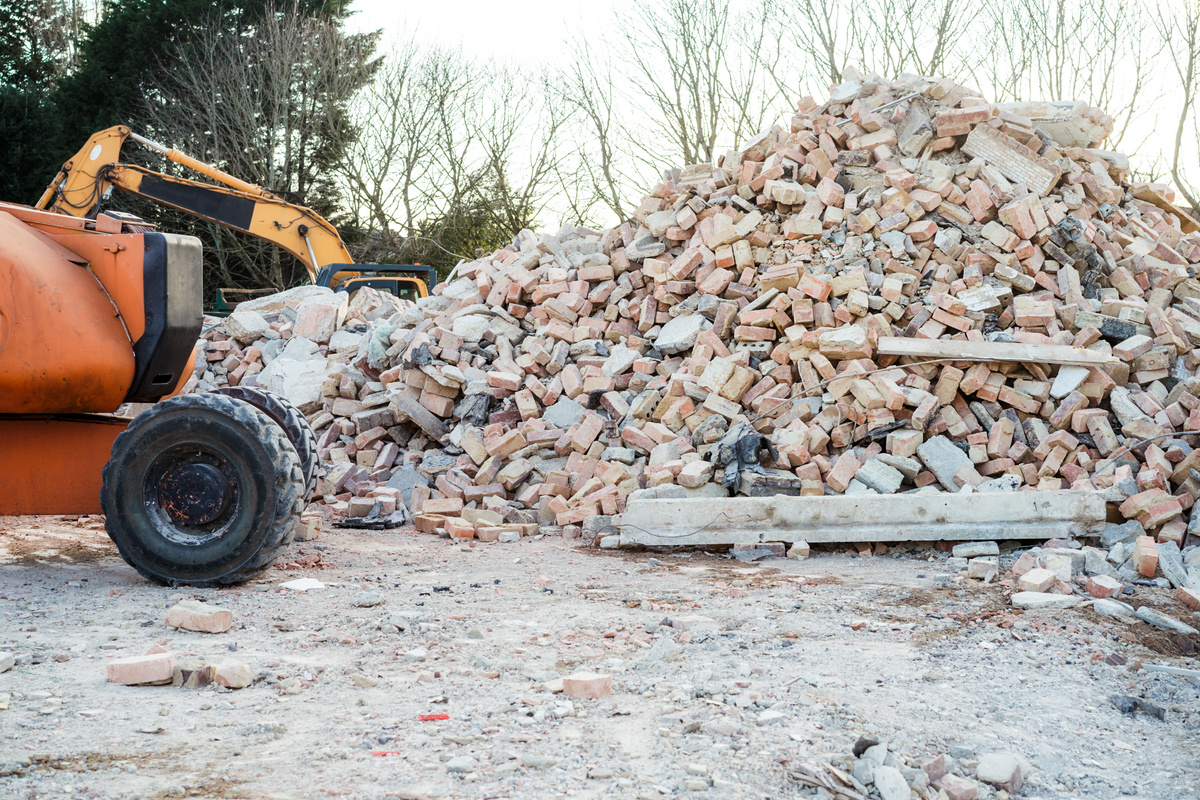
[(1186, 223), (862, 518), (991, 351)]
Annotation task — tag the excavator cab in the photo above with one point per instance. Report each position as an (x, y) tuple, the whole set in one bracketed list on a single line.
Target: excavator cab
[(406, 281)]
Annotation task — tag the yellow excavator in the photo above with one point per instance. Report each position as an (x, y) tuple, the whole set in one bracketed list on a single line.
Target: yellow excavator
[(89, 176)]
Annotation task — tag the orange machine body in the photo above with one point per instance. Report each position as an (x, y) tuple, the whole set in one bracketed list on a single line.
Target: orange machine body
[(72, 314), (54, 464), (63, 348)]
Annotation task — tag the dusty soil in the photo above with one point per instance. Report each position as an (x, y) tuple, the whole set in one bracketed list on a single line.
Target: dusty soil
[(725, 674)]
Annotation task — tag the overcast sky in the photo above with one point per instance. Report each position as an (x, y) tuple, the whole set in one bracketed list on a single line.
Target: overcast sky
[(525, 30)]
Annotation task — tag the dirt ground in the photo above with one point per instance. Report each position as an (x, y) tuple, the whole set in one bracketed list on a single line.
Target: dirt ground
[(727, 676)]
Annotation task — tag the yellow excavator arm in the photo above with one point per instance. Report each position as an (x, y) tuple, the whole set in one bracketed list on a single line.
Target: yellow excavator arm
[(89, 176)]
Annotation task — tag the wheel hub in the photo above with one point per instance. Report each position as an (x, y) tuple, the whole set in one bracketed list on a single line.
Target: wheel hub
[(194, 494)]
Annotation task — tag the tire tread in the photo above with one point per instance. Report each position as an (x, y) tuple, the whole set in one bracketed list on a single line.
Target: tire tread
[(288, 417), (289, 482)]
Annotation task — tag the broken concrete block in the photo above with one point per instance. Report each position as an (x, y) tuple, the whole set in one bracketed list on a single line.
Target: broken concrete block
[(233, 674), (975, 549), (944, 460), (1103, 586), (1002, 770), (681, 333), (246, 327), (983, 569), (879, 476), (317, 317), (1036, 580), (1043, 600)]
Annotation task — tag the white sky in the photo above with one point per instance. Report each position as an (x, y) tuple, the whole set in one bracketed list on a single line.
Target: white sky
[(520, 30)]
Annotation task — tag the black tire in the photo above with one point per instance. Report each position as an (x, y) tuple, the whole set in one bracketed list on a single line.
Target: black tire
[(202, 489), (288, 417)]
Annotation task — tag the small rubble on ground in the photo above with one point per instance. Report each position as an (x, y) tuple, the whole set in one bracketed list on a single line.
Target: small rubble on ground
[(419, 667)]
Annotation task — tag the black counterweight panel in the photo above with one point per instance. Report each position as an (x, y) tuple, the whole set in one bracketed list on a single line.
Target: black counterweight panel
[(236, 212), (173, 296)]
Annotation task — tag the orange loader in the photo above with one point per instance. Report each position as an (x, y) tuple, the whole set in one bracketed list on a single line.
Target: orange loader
[(202, 490)]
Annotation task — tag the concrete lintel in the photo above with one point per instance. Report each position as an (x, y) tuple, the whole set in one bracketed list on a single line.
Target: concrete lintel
[(863, 518)]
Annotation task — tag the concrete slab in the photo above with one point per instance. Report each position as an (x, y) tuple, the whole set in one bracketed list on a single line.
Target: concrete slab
[(862, 518)]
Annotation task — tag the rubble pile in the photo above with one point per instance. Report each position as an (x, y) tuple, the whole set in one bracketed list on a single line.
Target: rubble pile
[(895, 777), (1066, 573), (907, 288)]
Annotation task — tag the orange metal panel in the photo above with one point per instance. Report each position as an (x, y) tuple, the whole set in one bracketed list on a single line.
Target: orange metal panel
[(47, 221), (117, 261), (53, 465), (63, 348)]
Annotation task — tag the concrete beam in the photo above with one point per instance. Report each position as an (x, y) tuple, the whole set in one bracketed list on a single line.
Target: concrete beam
[(863, 518)]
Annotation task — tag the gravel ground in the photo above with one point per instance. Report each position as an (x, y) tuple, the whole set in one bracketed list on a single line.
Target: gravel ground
[(728, 677)]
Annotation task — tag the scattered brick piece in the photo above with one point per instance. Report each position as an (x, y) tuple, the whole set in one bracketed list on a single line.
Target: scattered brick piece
[(138, 670), (587, 686), (200, 617)]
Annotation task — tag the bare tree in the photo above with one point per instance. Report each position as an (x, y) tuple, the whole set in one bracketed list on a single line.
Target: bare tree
[(520, 133), (390, 166), (815, 33), (695, 68), (39, 39), (1100, 51), (595, 170), (453, 154), (269, 107), (897, 36), (813, 41), (1179, 26)]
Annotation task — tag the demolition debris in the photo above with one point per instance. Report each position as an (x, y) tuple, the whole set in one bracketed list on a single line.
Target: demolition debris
[(908, 290)]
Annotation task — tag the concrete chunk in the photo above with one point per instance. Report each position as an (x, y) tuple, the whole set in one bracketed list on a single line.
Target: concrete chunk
[(1043, 600), (200, 617), (138, 670), (944, 460), (1170, 563), (246, 326), (880, 477), (975, 549), (867, 517), (681, 333)]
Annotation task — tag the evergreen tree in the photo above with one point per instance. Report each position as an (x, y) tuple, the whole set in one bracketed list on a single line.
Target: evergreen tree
[(33, 45), (135, 40), (30, 127), (123, 51), (33, 54)]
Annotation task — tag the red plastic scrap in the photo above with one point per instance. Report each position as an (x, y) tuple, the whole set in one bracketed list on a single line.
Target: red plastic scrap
[(432, 717)]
